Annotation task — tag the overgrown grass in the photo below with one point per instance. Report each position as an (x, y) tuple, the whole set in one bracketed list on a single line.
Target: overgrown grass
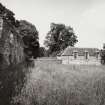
[(12, 80), (56, 84)]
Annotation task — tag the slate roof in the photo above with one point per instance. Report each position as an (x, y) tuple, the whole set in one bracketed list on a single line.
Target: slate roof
[(81, 51)]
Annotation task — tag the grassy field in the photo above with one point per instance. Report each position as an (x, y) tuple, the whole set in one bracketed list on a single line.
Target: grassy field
[(12, 80), (56, 84)]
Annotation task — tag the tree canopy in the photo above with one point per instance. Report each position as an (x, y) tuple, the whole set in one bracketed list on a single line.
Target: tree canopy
[(30, 38), (59, 37)]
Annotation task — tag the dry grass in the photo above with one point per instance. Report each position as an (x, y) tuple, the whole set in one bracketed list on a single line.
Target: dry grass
[(12, 80), (55, 84)]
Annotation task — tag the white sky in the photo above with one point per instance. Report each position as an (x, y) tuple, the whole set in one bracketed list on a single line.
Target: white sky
[(87, 17)]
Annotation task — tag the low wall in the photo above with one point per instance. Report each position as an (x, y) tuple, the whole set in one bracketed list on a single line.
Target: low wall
[(80, 60), (49, 59)]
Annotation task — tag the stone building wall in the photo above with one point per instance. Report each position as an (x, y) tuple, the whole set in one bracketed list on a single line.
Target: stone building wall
[(11, 45), (80, 60)]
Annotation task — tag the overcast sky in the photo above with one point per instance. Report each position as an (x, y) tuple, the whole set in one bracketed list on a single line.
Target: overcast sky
[(87, 17)]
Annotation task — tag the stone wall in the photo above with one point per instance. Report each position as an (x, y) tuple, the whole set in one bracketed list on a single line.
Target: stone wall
[(92, 60), (11, 45)]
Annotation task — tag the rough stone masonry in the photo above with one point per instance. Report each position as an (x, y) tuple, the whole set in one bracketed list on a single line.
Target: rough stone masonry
[(11, 45)]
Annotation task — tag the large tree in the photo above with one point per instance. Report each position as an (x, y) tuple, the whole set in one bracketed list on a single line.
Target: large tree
[(30, 38), (59, 37)]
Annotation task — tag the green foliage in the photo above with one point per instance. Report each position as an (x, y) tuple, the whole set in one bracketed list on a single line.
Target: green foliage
[(59, 37), (30, 38)]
